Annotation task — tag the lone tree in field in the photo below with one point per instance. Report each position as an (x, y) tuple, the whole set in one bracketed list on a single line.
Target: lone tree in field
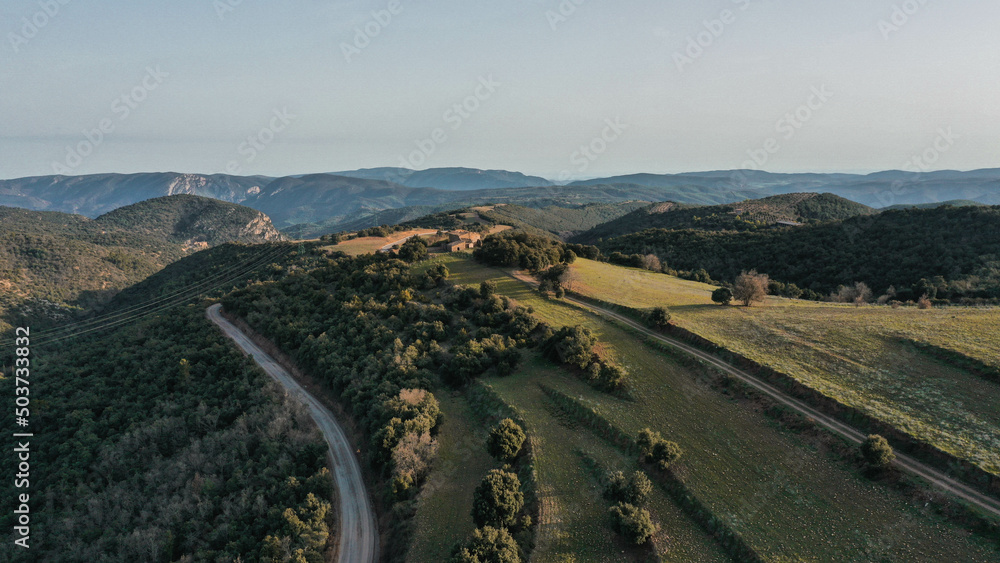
[(750, 287), (723, 296), (505, 440), (877, 452), (497, 500), (632, 522), (488, 545), (659, 317)]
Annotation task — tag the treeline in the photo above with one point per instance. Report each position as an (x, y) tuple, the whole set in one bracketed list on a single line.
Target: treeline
[(530, 252), (362, 327), (951, 254), (160, 442)]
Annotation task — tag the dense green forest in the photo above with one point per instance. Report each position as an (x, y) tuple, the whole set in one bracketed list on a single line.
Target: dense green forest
[(159, 440), (384, 341), (156, 440), (947, 253), (748, 215)]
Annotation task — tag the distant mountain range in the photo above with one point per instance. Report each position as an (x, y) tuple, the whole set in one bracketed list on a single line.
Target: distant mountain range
[(321, 203), (449, 178)]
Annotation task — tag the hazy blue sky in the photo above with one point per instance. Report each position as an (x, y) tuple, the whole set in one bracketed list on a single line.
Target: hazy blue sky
[(895, 79)]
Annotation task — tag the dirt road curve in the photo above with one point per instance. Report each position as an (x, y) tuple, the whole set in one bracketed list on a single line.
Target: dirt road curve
[(358, 534), (906, 463)]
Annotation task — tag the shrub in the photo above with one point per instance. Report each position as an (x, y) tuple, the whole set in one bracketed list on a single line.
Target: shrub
[(612, 376), (488, 545), (632, 522), (722, 296), (877, 452), (487, 288), (924, 302), (572, 345), (659, 317), (633, 489), (497, 500), (654, 449), (505, 440)]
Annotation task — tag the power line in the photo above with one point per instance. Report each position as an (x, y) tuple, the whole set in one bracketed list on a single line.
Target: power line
[(106, 322), (197, 287)]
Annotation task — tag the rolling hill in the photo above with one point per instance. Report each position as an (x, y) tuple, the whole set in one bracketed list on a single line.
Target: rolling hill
[(742, 216), (559, 221), (52, 262), (947, 252)]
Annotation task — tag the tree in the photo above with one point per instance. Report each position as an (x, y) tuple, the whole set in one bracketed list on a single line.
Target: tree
[(505, 440), (632, 522), (722, 296), (497, 500), (651, 263), (659, 317), (877, 451), (413, 250), (750, 287), (632, 489), (488, 545)]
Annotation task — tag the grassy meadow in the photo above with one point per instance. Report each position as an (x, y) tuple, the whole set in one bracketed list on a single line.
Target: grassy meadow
[(444, 507), (766, 483), (857, 355)]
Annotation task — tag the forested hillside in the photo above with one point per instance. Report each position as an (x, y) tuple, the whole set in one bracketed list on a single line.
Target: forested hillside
[(560, 221), (157, 441), (749, 215), (54, 264), (946, 253), (192, 221), (363, 327)]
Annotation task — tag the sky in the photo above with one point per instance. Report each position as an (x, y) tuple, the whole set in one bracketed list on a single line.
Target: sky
[(564, 89)]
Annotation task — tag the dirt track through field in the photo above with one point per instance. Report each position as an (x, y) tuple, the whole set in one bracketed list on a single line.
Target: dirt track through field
[(904, 462), (358, 535)]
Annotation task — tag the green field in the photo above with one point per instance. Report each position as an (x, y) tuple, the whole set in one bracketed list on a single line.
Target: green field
[(444, 507), (574, 515), (853, 354), (763, 481)]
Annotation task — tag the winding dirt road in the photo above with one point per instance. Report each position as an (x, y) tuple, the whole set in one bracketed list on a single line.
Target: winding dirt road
[(904, 462), (358, 536)]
